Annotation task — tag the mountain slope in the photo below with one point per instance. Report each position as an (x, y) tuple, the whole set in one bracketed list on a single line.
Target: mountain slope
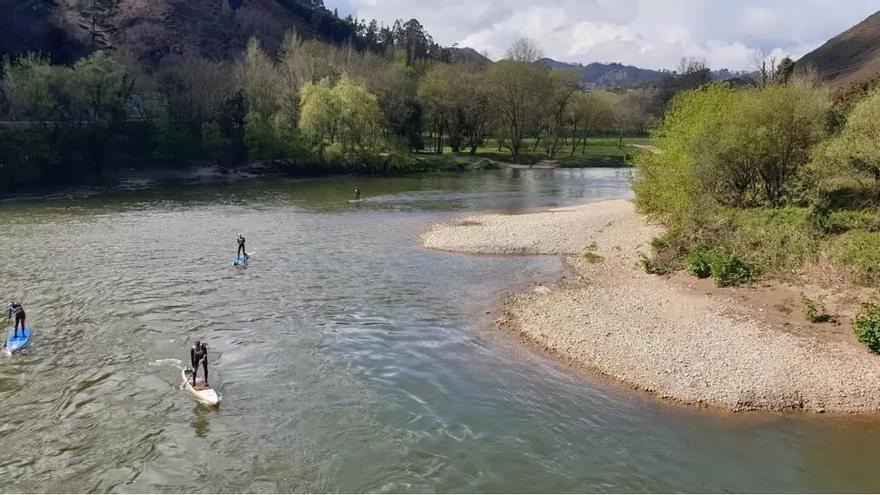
[(468, 55), (34, 25), (849, 57), (151, 30), (613, 75)]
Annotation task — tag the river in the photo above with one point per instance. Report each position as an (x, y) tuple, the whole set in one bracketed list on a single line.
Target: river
[(348, 357)]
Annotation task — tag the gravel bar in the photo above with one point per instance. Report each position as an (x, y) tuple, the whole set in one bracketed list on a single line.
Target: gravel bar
[(612, 317)]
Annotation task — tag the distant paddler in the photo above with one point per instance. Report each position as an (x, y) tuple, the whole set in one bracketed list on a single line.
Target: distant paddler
[(241, 249), (357, 194), (17, 310)]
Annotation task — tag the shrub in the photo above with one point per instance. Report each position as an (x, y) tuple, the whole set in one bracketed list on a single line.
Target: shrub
[(214, 144), (859, 251), (171, 142), (668, 251), (815, 312), (867, 327), (842, 221), (730, 270), (592, 257), (700, 262), (855, 148), (590, 254), (778, 241)]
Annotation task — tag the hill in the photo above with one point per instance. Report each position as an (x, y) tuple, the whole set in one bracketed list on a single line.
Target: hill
[(850, 57), (36, 25), (614, 75), (468, 55), (214, 29)]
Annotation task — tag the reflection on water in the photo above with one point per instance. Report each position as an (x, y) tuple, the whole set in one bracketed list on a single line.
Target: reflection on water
[(201, 423), (349, 358)]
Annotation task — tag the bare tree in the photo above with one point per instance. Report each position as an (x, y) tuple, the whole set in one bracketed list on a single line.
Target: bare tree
[(806, 75), (525, 50), (690, 65), (764, 64)]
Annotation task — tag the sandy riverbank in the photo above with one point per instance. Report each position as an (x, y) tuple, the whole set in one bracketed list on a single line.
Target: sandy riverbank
[(669, 336)]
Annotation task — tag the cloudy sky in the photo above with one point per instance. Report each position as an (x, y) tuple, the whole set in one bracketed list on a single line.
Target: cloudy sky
[(647, 33)]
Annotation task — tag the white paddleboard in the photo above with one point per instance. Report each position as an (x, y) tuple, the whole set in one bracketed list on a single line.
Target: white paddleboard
[(201, 393)]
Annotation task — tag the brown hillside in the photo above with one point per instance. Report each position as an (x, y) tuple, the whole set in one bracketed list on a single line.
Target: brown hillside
[(850, 57), (153, 29), (150, 29)]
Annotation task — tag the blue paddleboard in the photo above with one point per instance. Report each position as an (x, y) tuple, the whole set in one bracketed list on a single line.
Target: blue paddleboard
[(15, 344), (240, 260)]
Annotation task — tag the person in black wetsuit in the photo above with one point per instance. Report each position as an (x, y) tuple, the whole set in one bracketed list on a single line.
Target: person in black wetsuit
[(199, 354), (357, 194), (241, 249), (17, 310)]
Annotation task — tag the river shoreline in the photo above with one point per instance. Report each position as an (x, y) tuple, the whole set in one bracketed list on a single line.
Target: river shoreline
[(670, 336)]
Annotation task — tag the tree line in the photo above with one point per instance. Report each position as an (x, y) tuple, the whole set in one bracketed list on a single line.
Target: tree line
[(320, 107)]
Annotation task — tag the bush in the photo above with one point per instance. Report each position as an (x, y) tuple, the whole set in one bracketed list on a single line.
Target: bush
[(815, 312), (171, 142), (867, 327), (779, 241), (214, 144), (729, 270), (859, 251), (855, 149), (669, 249), (842, 221), (700, 262)]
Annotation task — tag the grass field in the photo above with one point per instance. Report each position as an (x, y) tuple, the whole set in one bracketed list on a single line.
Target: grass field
[(602, 151)]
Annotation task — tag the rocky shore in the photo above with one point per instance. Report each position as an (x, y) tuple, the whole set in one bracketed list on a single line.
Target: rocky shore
[(698, 347)]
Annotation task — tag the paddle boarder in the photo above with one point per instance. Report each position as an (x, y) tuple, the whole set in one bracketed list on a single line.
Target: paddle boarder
[(357, 194), (17, 310), (241, 249), (199, 354)]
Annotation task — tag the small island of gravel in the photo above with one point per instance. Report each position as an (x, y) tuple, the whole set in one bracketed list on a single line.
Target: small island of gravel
[(683, 342)]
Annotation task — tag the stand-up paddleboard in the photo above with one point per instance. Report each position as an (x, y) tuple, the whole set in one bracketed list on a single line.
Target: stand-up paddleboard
[(241, 260), (16, 343), (202, 393), (356, 200)]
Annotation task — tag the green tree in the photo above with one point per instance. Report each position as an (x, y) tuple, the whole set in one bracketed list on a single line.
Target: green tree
[(856, 148), (98, 90), (319, 114), (517, 89), (474, 97), (260, 137), (776, 129), (259, 79), (589, 112), (195, 89), (33, 86), (359, 121), (437, 94), (666, 184)]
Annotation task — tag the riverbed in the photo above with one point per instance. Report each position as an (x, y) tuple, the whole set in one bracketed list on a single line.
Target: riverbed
[(348, 357)]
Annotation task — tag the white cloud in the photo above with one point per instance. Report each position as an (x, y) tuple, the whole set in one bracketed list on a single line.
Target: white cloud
[(647, 33)]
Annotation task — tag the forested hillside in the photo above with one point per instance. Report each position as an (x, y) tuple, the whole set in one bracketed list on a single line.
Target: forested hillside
[(151, 30)]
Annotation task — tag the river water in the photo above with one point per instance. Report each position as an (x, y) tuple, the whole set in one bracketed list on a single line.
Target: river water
[(348, 358)]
